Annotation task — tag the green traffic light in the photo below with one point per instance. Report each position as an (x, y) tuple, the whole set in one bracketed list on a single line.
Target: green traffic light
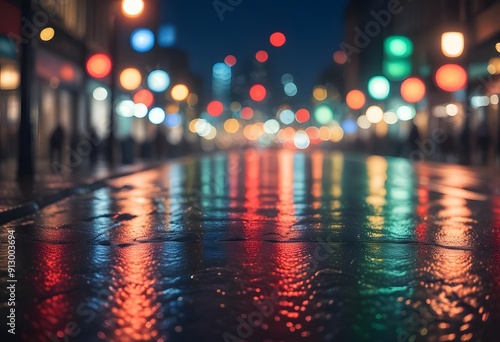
[(398, 47)]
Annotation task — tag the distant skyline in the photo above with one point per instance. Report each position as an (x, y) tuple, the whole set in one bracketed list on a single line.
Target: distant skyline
[(314, 31)]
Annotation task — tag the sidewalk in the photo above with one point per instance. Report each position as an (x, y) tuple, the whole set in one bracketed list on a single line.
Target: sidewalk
[(19, 198)]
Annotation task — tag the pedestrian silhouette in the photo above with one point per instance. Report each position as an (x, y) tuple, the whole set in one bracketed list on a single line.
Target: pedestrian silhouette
[(56, 144)]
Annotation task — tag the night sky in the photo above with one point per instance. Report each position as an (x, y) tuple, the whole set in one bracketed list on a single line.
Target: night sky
[(314, 30)]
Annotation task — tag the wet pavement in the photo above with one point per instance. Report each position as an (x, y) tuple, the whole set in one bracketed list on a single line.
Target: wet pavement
[(265, 246)]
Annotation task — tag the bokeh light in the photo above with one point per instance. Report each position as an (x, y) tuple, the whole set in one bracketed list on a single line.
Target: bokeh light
[(336, 134), (258, 92), (301, 140), (142, 40), (374, 114), (145, 97), (192, 100), (156, 115), (398, 46), (349, 126), (287, 116), (320, 93), (140, 110), (215, 108), (130, 79), (390, 118), (363, 122), (290, 89), (47, 34), (100, 94), (231, 126), (99, 65), (452, 44), (158, 81), (132, 8), (355, 99), (230, 60), (277, 39), (246, 113), (179, 92), (323, 114), (413, 90), (262, 56), (406, 113), (125, 108), (451, 77), (340, 57), (271, 126), (379, 87), (302, 115), (173, 120), (286, 78)]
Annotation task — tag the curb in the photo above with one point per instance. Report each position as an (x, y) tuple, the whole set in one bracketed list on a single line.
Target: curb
[(33, 206)]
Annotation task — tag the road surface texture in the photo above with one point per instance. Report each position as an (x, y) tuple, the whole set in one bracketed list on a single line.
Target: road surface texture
[(269, 245)]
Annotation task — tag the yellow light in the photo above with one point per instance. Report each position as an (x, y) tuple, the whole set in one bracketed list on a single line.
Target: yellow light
[(336, 134), (324, 133), (172, 109), (9, 78), (132, 8), (494, 66), (231, 126), (47, 34), (130, 79), (320, 93), (494, 99), (452, 44), (179, 92), (192, 125), (497, 46)]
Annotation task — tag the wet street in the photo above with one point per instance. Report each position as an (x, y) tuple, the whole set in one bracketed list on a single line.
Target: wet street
[(270, 245)]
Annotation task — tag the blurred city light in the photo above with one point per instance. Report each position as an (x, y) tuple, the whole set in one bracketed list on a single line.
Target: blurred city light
[(452, 44), (479, 101), (355, 99), (497, 47), (287, 116), (290, 89), (405, 113), (398, 46), (320, 93), (192, 100), (130, 79), (494, 99), (47, 34), (158, 81), (179, 92), (99, 65), (397, 69), (215, 108), (277, 39), (258, 92), (145, 97), (323, 114), (286, 78), (452, 109), (302, 115), (140, 110), (494, 66), (125, 108), (166, 35), (235, 106), (100, 94), (172, 108), (10, 79), (363, 122), (156, 115), (340, 57), (413, 90), (261, 56), (246, 113), (336, 134), (142, 40), (390, 118), (173, 120), (231, 126), (349, 126), (301, 140), (230, 60), (132, 8), (374, 114), (451, 77), (271, 126), (379, 87)]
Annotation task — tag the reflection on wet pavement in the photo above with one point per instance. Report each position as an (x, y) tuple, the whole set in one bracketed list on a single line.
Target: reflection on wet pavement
[(267, 246)]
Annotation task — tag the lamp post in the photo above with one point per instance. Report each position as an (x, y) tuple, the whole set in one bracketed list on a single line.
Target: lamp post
[(132, 9)]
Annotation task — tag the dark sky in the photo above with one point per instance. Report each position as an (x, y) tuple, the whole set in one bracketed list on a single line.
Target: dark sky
[(313, 28)]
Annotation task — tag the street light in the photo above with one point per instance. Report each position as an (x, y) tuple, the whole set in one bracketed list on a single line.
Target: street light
[(452, 44)]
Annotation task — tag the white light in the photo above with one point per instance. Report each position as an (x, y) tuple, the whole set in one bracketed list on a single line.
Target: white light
[(406, 113), (363, 122), (479, 101), (374, 114), (390, 118), (125, 108), (100, 94), (271, 126), (301, 140), (141, 110), (494, 99), (158, 81), (287, 116), (156, 115), (452, 109), (133, 7), (290, 89), (211, 134), (452, 44)]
